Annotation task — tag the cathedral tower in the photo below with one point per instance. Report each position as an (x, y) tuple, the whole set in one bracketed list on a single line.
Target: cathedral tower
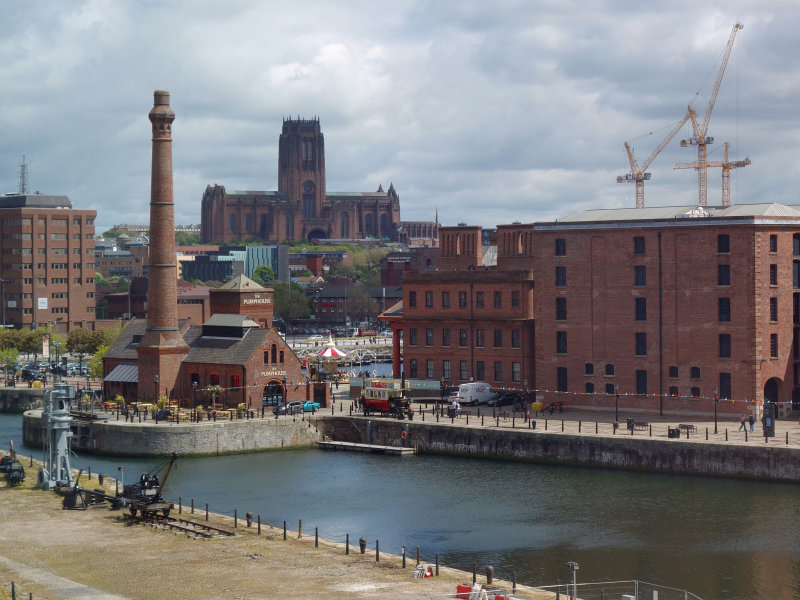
[(162, 347), (301, 172)]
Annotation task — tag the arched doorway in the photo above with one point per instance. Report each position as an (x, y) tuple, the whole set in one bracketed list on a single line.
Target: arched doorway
[(274, 393), (771, 390), (316, 234)]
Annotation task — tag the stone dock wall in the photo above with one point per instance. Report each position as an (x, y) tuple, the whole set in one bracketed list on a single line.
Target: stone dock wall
[(17, 400), (187, 439), (773, 462)]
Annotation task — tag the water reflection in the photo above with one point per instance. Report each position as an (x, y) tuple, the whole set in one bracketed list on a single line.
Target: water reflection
[(716, 538)]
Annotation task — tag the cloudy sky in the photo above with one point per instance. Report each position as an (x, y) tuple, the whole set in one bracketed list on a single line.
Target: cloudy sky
[(493, 112)]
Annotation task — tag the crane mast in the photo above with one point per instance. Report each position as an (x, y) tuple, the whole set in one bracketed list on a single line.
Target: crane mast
[(726, 166), (699, 137)]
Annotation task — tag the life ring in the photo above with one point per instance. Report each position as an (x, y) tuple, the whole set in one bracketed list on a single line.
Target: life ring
[(403, 435)]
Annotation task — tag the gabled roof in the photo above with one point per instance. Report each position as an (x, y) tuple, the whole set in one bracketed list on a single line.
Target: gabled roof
[(240, 283), (227, 320), (659, 213)]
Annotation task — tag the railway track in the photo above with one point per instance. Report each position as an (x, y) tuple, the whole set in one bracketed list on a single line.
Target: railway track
[(190, 528)]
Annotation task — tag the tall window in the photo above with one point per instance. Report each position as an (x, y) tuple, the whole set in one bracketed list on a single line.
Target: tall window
[(773, 243), (589, 387), (515, 299), (561, 379), (413, 368), (561, 276), (345, 225), (445, 369), (498, 299), (641, 309), (429, 368), (480, 299), (673, 372), (773, 309), (561, 342), (498, 370), (445, 299), (515, 371), (773, 274), (588, 369), (639, 275), (498, 338), (429, 337), (232, 223), (479, 341), (561, 247), (462, 370), (609, 369), (462, 299), (515, 338), (724, 309), (723, 274), (561, 309), (412, 298), (725, 386), (694, 373), (428, 299), (309, 206), (368, 224), (723, 243), (773, 345), (638, 245), (445, 337), (462, 337), (412, 336), (289, 225), (480, 370), (641, 344), (641, 382), (724, 345)]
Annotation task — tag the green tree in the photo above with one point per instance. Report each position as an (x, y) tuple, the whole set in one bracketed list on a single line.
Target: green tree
[(263, 274), (291, 303), (96, 362), (184, 238), (8, 356), (81, 341), (105, 336)]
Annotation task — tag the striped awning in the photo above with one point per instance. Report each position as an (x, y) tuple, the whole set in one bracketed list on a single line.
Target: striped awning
[(124, 373)]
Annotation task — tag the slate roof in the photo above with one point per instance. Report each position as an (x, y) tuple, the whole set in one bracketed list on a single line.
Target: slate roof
[(656, 213), (124, 372), (241, 282)]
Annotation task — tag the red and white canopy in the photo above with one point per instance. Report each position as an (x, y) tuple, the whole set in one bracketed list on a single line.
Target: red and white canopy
[(331, 351)]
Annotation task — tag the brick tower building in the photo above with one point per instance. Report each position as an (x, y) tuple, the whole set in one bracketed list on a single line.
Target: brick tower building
[(162, 347), (301, 208)]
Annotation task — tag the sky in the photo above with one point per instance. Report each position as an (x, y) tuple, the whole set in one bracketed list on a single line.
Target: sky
[(491, 112)]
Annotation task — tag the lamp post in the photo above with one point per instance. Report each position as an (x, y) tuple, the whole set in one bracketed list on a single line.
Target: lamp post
[(716, 394), (616, 402), (155, 379), (574, 568), (194, 400)]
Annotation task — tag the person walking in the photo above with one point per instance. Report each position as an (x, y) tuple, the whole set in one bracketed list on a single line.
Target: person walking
[(742, 423), (752, 421)]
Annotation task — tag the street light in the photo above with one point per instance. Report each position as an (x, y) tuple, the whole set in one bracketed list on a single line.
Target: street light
[(194, 400), (716, 394), (616, 402), (574, 568), (155, 379)]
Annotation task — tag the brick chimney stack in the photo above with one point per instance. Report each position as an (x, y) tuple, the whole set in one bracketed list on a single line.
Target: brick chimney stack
[(162, 347)]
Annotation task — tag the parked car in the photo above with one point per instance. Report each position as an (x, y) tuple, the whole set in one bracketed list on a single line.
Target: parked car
[(292, 408), (31, 374), (310, 406), (315, 337), (514, 399)]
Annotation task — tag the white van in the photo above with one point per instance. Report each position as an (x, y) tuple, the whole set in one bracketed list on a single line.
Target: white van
[(477, 392)]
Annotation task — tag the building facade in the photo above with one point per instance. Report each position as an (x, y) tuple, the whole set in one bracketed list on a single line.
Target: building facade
[(670, 301), (48, 262), (468, 320), (301, 208)]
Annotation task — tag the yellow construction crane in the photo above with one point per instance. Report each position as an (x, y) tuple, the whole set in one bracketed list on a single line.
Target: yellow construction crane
[(726, 172), (639, 175), (699, 137)]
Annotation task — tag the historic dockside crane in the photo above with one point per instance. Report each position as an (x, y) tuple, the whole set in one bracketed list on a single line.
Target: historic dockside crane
[(699, 137), (726, 172), (639, 175)]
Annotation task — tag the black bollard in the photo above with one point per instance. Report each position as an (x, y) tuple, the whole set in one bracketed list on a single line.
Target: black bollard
[(474, 573), (726, 434), (596, 427), (258, 517), (418, 561), (481, 421), (498, 421), (192, 506), (347, 543), (489, 575), (404, 557), (706, 433), (545, 424), (206, 511), (284, 531), (513, 582), (562, 425), (235, 518), (316, 537), (377, 552), (180, 505), (362, 544), (437, 564), (579, 426)]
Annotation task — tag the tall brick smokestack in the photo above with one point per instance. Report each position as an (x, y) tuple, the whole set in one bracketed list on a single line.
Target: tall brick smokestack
[(162, 347)]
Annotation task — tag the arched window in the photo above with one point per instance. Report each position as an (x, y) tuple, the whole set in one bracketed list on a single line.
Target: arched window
[(264, 227), (232, 223), (368, 224), (248, 223), (383, 224), (274, 353), (345, 226), (289, 225)]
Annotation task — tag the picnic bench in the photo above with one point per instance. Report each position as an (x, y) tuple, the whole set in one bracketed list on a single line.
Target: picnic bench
[(641, 425), (687, 427)]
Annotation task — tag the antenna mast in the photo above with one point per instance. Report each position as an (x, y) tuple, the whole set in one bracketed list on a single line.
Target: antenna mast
[(23, 177)]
